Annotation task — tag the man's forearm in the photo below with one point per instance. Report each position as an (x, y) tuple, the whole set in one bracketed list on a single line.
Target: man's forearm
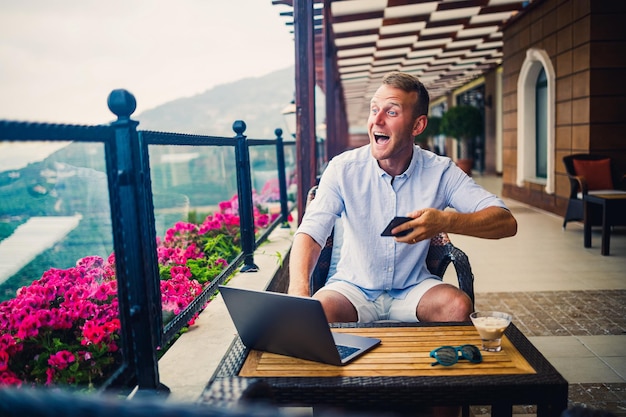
[(304, 255), (490, 223)]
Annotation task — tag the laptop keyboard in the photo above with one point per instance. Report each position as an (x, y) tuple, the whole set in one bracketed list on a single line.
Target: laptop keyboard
[(345, 351)]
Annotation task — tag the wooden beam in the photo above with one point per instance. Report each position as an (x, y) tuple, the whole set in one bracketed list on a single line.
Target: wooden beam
[(305, 101)]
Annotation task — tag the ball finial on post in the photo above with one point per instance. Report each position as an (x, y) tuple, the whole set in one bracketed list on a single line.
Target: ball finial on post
[(239, 127), (122, 103)]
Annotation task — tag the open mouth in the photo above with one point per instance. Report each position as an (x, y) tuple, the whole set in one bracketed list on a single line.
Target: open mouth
[(380, 138)]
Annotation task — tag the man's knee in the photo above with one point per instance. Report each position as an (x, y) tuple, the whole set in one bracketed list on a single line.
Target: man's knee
[(461, 308), (444, 303), (337, 307)]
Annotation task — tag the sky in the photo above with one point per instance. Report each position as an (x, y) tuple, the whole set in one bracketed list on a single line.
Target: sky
[(60, 59)]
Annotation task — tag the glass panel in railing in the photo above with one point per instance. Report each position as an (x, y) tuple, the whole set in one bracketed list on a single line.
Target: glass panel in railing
[(290, 171), (265, 181), (59, 321), (266, 192), (196, 215)]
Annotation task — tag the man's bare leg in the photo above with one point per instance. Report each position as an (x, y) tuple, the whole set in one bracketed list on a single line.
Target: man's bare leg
[(444, 303), (337, 307)]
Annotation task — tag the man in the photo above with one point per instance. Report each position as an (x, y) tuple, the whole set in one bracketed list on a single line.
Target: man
[(380, 278)]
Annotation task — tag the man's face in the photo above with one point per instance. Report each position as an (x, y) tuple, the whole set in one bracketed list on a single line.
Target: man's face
[(392, 126)]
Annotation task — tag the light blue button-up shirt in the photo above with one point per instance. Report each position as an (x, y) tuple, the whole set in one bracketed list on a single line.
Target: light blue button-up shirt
[(354, 188)]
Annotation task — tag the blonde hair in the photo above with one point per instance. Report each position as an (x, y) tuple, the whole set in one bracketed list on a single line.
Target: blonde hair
[(409, 83)]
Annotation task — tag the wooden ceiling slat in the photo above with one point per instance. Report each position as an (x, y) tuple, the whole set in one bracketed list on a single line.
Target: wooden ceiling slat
[(396, 3), (353, 34), (356, 17), (451, 22), (456, 5), (508, 7), (389, 21)]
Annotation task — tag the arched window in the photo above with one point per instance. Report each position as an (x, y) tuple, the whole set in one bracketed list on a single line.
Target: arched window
[(536, 121), (541, 125)]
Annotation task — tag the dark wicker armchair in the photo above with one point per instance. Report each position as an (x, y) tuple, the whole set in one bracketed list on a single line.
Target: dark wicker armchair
[(440, 254), (589, 174)]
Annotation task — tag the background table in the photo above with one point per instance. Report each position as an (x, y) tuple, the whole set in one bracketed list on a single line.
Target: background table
[(397, 375), (613, 213)]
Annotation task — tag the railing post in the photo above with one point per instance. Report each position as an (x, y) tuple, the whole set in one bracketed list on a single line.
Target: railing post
[(282, 177), (244, 193), (134, 240)]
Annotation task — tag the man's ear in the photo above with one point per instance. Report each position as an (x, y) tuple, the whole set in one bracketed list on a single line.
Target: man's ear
[(419, 125)]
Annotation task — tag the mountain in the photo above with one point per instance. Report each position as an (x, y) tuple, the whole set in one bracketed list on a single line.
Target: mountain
[(258, 101)]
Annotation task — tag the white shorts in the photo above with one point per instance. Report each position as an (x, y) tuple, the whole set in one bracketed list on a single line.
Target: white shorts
[(385, 307)]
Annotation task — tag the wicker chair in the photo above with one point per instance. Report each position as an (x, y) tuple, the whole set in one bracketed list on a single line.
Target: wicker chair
[(589, 174), (440, 254)]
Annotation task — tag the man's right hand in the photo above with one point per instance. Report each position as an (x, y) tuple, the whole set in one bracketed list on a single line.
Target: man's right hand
[(304, 255), (298, 290)]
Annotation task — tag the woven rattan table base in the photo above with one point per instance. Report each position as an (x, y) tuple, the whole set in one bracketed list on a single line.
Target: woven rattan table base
[(542, 385)]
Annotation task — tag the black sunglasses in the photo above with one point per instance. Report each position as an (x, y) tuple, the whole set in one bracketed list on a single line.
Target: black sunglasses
[(449, 355)]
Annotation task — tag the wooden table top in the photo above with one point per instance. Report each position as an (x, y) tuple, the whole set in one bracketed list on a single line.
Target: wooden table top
[(404, 351), (618, 195)]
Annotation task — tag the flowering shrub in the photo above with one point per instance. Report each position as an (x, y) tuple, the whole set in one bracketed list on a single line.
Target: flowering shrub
[(64, 328)]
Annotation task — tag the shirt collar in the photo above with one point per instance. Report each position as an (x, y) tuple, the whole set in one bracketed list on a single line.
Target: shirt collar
[(407, 173)]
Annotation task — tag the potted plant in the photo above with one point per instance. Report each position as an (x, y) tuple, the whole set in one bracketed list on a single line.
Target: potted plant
[(463, 123)]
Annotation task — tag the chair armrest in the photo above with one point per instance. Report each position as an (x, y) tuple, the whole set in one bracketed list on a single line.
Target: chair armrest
[(463, 271), (440, 256), (579, 183), (320, 273)]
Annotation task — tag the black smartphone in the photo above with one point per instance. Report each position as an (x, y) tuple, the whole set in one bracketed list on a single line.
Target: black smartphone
[(396, 221)]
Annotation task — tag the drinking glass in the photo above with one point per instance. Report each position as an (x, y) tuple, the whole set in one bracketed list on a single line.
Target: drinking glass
[(491, 326)]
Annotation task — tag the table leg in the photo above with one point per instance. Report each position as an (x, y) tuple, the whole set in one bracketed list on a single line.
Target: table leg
[(587, 223), (555, 404), (553, 409), (501, 409), (606, 230)]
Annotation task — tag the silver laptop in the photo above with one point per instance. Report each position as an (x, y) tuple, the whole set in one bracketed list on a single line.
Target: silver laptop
[(292, 326)]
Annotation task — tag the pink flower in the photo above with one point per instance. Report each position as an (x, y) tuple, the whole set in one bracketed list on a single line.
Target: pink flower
[(29, 327), (232, 220), (46, 318), (109, 266), (4, 361), (93, 333), (262, 221), (49, 376), (90, 262), (9, 378), (7, 342), (225, 205), (180, 271), (106, 291), (210, 224), (61, 359), (112, 326)]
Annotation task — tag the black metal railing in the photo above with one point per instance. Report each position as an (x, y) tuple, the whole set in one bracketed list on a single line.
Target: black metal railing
[(133, 226)]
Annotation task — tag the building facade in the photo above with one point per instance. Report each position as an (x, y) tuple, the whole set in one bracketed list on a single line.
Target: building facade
[(563, 91)]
